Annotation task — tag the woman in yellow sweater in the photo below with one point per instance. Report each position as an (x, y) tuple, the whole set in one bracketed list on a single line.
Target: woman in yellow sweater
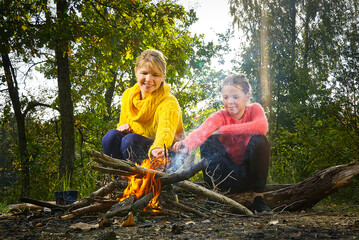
[(150, 117)]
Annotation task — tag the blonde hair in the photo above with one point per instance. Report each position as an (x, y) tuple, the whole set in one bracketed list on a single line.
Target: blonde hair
[(154, 59), (239, 81)]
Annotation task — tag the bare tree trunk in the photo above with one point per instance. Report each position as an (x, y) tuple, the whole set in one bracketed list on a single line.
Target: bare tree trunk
[(109, 95), (20, 120), (64, 87)]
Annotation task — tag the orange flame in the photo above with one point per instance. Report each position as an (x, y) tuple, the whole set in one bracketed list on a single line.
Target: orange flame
[(142, 186)]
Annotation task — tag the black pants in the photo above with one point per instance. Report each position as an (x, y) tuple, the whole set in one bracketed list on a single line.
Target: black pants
[(250, 175)]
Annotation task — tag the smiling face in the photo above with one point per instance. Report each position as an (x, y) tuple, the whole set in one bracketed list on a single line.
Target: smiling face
[(234, 100), (148, 79)]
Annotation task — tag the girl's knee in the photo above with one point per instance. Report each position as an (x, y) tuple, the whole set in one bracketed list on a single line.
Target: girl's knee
[(110, 136), (259, 141), (127, 140)]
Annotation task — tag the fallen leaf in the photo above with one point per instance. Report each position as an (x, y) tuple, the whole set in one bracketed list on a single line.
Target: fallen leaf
[(129, 221), (84, 226), (190, 222), (296, 235), (105, 223), (273, 222)]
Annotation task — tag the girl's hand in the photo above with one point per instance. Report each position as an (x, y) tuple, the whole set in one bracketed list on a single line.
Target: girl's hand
[(180, 147), (159, 154), (125, 128)]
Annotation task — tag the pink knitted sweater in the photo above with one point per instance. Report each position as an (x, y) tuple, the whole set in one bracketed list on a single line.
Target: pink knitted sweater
[(235, 134)]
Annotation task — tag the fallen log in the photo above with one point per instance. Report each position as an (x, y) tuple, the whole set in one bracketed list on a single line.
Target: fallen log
[(306, 194), (43, 203), (101, 192), (188, 209), (85, 205), (192, 187), (19, 207), (96, 207)]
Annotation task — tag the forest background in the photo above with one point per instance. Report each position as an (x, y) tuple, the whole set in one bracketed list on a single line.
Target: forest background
[(301, 57)]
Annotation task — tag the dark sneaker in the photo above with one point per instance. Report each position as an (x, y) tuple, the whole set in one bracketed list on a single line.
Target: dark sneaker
[(259, 206)]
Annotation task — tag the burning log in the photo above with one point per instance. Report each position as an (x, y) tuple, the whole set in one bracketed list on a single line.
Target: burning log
[(111, 171), (309, 192), (184, 175), (125, 166), (138, 205)]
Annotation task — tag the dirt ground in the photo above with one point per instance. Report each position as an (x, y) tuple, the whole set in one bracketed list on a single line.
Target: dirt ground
[(323, 222)]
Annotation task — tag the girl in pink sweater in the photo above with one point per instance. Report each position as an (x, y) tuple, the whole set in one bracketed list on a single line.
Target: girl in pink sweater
[(234, 143)]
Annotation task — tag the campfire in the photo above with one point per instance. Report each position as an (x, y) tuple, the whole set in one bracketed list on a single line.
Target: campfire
[(146, 184)]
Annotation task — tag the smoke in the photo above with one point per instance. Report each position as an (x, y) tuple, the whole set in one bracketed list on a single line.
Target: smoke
[(176, 164)]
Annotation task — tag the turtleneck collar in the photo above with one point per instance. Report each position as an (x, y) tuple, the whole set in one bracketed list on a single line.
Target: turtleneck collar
[(143, 110)]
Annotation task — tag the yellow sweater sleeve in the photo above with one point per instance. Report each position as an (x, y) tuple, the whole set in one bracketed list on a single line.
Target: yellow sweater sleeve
[(168, 115)]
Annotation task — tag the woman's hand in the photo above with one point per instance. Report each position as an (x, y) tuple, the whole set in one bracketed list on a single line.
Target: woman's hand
[(125, 128), (180, 147)]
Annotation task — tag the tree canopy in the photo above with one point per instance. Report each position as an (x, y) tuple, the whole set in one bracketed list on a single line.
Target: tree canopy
[(90, 49), (313, 62), (301, 58)]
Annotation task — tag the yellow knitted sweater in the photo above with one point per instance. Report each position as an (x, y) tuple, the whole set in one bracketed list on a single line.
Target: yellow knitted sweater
[(157, 117)]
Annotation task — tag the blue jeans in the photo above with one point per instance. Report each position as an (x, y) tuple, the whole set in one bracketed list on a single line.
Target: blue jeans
[(130, 146), (250, 174)]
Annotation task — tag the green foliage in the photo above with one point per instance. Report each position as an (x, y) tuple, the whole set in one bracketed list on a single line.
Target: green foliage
[(104, 39), (4, 209), (314, 79), (313, 70)]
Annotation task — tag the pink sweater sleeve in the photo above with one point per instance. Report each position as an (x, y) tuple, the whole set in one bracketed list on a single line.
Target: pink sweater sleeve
[(255, 123), (200, 135)]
